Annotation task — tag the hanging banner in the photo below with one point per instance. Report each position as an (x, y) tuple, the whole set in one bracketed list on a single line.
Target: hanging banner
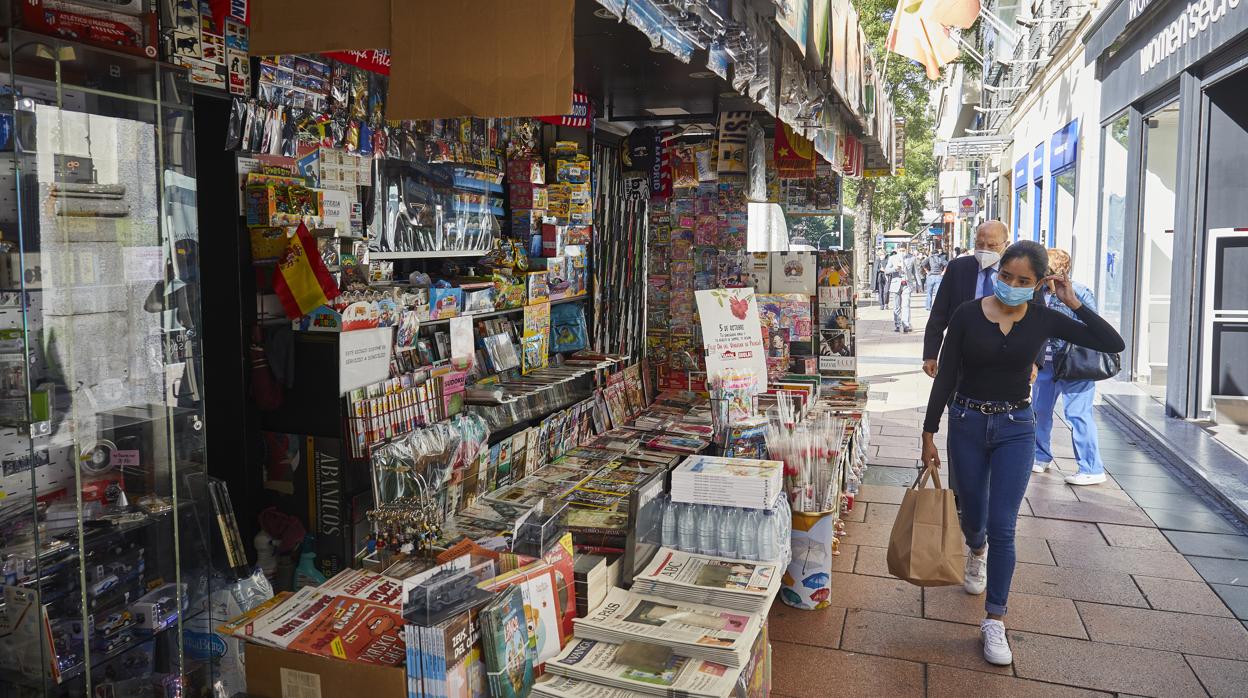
[(372, 60), (237, 10), (795, 156), (661, 168), (582, 113), (732, 333), (734, 129), (793, 16)]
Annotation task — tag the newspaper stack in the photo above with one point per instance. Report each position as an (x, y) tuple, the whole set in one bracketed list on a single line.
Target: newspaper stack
[(590, 667), (733, 482), (698, 632), (740, 585)]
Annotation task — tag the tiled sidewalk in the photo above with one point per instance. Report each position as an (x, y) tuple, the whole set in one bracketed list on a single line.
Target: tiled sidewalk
[(1138, 586)]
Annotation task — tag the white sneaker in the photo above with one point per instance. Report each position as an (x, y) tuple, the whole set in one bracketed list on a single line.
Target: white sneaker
[(976, 579), (1040, 467), (996, 646), (1085, 479)]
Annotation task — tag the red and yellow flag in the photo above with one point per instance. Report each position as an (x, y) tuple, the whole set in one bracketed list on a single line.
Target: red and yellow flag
[(301, 280)]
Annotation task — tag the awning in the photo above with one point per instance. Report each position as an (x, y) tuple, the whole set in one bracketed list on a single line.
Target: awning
[(1020, 173), (1064, 147), (976, 146), (1037, 163)]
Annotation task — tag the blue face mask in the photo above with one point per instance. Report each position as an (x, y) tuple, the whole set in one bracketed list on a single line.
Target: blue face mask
[(1011, 295)]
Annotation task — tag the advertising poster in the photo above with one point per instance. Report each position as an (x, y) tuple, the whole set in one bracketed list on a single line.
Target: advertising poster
[(732, 331)]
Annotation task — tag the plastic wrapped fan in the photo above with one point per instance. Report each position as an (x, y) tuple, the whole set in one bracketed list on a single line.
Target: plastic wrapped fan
[(756, 158), (234, 130)]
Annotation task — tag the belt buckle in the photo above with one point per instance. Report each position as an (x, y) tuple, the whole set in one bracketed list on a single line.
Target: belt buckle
[(990, 408)]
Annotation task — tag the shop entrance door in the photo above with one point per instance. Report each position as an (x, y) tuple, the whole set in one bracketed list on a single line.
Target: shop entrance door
[(1156, 245), (1225, 342)]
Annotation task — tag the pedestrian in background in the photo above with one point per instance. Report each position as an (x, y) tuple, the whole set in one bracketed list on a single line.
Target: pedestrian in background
[(992, 427), (1077, 395), (934, 267), (881, 280), (903, 278)]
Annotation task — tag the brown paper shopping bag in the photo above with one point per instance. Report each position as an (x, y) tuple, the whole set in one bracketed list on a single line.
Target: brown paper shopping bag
[(925, 547)]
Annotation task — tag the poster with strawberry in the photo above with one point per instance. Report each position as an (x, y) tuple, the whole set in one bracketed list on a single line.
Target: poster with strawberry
[(732, 332)]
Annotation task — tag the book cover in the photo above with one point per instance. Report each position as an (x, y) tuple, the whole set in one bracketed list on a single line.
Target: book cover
[(508, 662)]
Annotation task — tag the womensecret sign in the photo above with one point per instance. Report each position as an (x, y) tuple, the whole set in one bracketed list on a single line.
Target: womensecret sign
[(1194, 20)]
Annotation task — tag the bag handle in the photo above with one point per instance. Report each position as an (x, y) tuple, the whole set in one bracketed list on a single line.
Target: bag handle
[(924, 473)]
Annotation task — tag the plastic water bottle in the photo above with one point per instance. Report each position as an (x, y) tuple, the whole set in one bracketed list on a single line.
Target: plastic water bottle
[(708, 531), (687, 528), (670, 526), (747, 541), (768, 543), (729, 525)]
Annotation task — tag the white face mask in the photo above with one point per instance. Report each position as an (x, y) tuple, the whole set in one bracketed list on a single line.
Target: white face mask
[(987, 258)]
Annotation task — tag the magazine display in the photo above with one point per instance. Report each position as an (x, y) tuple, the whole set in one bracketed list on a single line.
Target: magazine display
[(591, 660), (740, 585), (698, 632), (736, 482), (505, 641)]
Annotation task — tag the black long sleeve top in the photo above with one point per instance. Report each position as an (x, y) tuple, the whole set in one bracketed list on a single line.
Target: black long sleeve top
[(984, 364)]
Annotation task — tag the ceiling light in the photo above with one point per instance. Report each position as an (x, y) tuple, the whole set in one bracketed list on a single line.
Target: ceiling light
[(702, 75), (667, 111)]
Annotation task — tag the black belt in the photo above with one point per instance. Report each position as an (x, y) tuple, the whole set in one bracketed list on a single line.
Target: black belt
[(993, 407)]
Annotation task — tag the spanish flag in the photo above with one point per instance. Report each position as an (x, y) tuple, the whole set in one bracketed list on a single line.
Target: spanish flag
[(301, 280)]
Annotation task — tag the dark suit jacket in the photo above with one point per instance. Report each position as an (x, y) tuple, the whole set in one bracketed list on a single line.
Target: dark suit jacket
[(956, 287)]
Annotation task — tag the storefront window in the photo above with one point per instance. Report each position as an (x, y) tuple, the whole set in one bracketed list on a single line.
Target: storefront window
[(1156, 248), (1021, 211), (1062, 209), (1113, 220)]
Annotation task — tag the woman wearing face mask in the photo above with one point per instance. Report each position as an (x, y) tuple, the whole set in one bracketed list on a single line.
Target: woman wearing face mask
[(986, 364)]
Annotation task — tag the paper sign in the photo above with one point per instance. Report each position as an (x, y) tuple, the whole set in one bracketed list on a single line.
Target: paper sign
[(731, 331), (363, 358), (336, 210), (461, 339)]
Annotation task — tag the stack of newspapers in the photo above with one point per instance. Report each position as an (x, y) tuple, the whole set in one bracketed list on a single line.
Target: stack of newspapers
[(734, 482), (739, 585), (588, 669), (690, 630)]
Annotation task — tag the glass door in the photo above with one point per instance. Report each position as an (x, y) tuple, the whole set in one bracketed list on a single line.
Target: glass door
[(1113, 219), (1037, 229), (1157, 198), (1062, 209)]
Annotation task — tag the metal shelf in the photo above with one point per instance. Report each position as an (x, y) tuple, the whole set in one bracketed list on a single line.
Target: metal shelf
[(495, 313), (427, 254)]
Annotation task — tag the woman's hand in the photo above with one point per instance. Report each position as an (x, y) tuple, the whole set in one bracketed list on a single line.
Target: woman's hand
[(1065, 290), (930, 456)]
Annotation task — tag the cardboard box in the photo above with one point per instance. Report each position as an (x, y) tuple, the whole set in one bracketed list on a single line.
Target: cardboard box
[(132, 30), (274, 673)]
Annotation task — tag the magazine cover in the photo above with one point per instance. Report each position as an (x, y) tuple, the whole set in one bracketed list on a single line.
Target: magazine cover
[(596, 661), (508, 658), (355, 630), (627, 616)]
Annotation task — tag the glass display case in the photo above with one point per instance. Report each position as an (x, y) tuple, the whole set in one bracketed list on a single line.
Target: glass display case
[(105, 540)]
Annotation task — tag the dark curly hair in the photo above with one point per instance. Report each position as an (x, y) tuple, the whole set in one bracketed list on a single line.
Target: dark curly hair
[(1035, 254)]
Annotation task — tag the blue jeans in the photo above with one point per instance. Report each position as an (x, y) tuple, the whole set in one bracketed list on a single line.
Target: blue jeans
[(991, 455), (933, 285), (1077, 398)]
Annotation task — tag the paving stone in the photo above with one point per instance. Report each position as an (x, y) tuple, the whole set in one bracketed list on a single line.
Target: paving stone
[(1087, 511), (1024, 509), (1221, 677), (893, 463), (879, 493), (1163, 630), (916, 639), (1236, 598), (803, 670), (1183, 597), (857, 514), (1153, 563), (1077, 584), (1135, 537), (1101, 495), (948, 682), (1147, 468), (821, 627), (1217, 570), (1200, 522), (881, 513), (875, 593), (1117, 456), (893, 448), (1057, 529), (1170, 500), (896, 477), (872, 561), (1209, 544), (1050, 486), (1103, 666), (845, 561), (1041, 614), (867, 534), (1140, 483)]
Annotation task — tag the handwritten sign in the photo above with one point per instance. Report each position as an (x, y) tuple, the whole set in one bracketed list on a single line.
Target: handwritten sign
[(363, 358)]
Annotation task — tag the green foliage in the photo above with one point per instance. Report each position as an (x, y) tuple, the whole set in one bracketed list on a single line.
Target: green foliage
[(898, 201)]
